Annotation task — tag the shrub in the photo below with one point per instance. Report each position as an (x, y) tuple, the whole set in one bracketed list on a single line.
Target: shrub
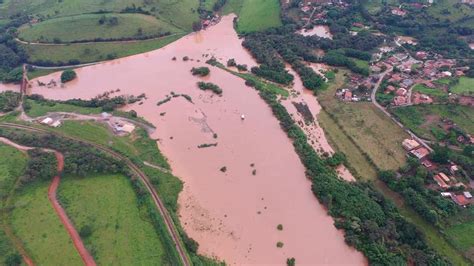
[(280, 227), (86, 231), (290, 262), (210, 86), (279, 244), (68, 75), (200, 71)]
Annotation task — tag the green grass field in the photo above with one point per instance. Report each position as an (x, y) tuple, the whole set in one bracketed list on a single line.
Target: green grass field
[(361, 63), (41, 109), (461, 235), (12, 166), (370, 129), (429, 91), (256, 15), (36, 223), (422, 119), (181, 13), (87, 28), (465, 86), (87, 53), (121, 233), (450, 10)]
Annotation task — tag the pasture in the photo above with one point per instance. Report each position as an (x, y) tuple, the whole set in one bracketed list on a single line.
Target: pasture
[(91, 27), (119, 232), (464, 86), (256, 15)]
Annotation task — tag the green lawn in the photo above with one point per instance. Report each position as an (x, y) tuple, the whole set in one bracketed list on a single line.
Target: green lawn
[(41, 109), (464, 86), (36, 223), (361, 63), (87, 53), (87, 28), (12, 166), (208, 4), (121, 233), (257, 15), (461, 235), (429, 91)]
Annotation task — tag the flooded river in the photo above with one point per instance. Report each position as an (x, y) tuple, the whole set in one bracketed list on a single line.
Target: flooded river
[(232, 214)]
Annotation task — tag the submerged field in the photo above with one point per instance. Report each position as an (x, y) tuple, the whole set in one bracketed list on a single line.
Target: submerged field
[(90, 27), (36, 223), (119, 232)]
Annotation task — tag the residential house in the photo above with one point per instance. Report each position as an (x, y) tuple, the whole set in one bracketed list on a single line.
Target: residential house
[(420, 152)]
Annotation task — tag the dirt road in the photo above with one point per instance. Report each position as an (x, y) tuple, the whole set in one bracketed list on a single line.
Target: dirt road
[(76, 239)]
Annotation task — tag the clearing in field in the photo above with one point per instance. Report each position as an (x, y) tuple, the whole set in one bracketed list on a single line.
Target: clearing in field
[(105, 212), (464, 86), (35, 222), (257, 15), (92, 27), (367, 128)]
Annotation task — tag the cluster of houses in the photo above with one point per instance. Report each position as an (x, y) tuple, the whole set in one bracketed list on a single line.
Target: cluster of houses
[(358, 88), (444, 180)]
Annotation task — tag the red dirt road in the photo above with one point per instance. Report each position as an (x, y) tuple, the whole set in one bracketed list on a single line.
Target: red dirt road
[(83, 252)]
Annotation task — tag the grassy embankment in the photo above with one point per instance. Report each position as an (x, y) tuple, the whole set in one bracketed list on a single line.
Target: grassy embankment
[(12, 166), (364, 131), (424, 120), (87, 53), (254, 15), (119, 232), (87, 28)]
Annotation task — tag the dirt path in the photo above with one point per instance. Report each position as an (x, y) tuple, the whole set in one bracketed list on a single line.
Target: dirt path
[(76, 239)]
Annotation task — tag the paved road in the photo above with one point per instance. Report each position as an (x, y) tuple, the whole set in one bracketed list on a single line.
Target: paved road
[(136, 170), (374, 100)]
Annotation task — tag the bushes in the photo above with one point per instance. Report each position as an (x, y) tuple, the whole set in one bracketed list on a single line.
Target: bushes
[(9, 100), (68, 75), (200, 71), (210, 86), (41, 165)]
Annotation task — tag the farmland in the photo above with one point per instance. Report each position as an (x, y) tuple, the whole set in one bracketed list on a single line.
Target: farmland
[(119, 231), (90, 27), (35, 222)]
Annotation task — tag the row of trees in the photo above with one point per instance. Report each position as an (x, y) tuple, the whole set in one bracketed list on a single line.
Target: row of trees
[(371, 223), (12, 55)]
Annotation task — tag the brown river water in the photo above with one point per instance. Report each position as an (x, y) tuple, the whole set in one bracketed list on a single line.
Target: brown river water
[(233, 214)]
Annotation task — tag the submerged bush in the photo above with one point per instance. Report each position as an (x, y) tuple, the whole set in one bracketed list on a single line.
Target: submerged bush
[(200, 71), (68, 75), (210, 86)]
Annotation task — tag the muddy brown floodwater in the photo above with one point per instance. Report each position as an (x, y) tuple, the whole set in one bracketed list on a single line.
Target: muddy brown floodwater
[(233, 214)]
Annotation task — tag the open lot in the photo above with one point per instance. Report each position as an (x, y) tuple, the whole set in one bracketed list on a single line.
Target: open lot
[(89, 28), (465, 86), (367, 128), (93, 52), (426, 120), (36, 223), (429, 91), (120, 232)]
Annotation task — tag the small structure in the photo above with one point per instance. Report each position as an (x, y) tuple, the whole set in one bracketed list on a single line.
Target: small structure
[(56, 123), (47, 121), (467, 194), (453, 169), (460, 200), (348, 96), (420, 153), (401, 92), (242, 117), (410, 144), (444, 177), (440, 182)]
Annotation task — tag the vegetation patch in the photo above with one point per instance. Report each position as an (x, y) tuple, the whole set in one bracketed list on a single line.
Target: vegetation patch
[(464, 86), (68, 75), (9, 100), (104, 208), (257, 15), (96, 27), (210, 86), (200, 71)]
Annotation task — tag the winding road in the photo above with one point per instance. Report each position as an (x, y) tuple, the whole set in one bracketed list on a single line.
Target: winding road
[(136, 170)]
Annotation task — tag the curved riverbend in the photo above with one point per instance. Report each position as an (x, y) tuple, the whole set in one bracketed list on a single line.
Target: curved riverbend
[(233, 214)]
